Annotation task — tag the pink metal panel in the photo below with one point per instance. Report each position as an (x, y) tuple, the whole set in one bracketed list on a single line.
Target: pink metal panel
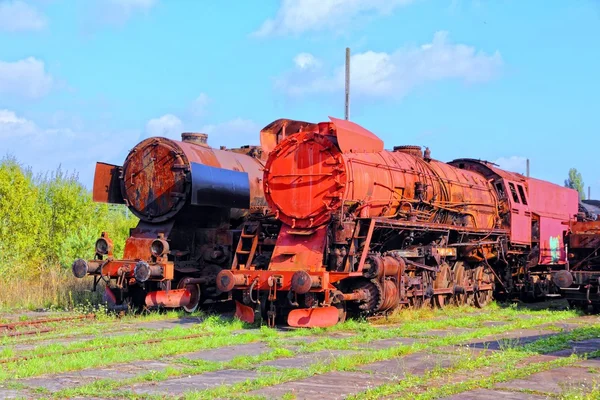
[(520, 225), (552, 200), (552, 246)]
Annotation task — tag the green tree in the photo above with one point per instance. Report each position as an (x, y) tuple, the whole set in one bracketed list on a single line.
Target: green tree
[(575, 181)]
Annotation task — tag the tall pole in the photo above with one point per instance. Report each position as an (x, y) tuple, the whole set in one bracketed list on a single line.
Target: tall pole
[(589, 193), (528, 167), (347, 105)]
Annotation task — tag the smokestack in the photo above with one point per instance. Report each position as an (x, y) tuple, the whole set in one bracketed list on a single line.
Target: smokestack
[(528, 167), (347, 104), (589, 193)]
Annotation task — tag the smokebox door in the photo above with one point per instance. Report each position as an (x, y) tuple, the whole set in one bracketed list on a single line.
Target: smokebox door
[(107, 188)]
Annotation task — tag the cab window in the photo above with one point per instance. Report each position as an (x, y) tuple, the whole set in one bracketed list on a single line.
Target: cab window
[(514, 193), (522, 193)]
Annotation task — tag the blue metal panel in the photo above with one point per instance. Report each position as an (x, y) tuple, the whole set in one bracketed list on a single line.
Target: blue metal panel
[(219, 187)]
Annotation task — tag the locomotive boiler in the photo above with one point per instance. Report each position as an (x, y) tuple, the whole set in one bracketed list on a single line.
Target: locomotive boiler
[(189, 199), (367, 230)]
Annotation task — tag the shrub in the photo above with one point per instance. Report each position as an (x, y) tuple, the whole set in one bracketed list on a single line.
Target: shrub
[(46, 222)]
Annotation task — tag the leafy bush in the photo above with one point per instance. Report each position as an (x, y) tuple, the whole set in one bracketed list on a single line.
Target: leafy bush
[(46, 222)]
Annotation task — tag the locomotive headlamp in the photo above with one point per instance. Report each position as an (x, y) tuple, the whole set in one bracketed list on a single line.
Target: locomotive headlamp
[(144, 271), (141, 271), (103, 246), (159, 248), (80, 268)]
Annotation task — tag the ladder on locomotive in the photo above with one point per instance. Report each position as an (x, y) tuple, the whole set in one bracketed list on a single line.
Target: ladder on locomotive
[(247, 245), (363, 233)]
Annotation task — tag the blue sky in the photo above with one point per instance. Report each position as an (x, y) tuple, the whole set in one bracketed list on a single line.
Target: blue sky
[(82, 81)]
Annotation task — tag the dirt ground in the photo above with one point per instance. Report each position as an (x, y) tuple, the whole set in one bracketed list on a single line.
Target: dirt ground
[(455, 353)]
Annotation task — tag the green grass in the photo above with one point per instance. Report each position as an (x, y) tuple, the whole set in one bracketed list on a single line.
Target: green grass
[(219, 333), (507, 364), (349, 363)]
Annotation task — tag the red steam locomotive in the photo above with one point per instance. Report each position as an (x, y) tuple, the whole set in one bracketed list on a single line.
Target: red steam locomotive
[(367, 230)]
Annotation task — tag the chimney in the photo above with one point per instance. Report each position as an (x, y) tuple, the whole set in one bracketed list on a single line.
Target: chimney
[(199, 139)]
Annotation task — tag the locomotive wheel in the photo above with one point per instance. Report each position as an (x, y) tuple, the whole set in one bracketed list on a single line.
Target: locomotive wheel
[(470, 281), (195, 296), (415, 302), (482, 297), (341, 306), (442, 281), (460, 299)]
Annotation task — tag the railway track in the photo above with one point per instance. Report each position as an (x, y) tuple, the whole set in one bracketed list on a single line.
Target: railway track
[(96, 348), (12, 329)]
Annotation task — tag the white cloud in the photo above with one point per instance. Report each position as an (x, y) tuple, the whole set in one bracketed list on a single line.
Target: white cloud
[(13, 126), (45, 149), (306, 61), (25, 78), (200, 104), (167, 126), (298, 16), (234, 133), (18, 16), (513, 164), (119, 11), (395, 74)]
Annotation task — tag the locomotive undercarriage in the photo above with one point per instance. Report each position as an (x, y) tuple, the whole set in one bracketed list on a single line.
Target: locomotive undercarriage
[(379, 266), (182, 275)]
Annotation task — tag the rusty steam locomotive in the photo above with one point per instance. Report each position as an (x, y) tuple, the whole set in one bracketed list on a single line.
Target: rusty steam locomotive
[(580, 282), (367, 230), (192, 201)]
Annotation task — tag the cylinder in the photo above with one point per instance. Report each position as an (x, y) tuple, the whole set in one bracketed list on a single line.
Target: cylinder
[(391, 296), (379, 266), (302, 282), (226, 280)]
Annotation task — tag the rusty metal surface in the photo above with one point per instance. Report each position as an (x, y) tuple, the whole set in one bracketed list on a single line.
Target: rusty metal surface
[(107, 188), (155, 184), (272, 134), (321, 317), (13, 325), (308, 178)]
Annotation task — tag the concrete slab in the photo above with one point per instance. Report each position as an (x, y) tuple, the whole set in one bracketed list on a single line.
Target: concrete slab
[(582, 347), (194, 382), (593, 363), (224, 354), (305, 360), (493, 324), (415, 364), (511, 339), (57, 382), (387, 343), (443, 332), (554, 381), (169, 324), (13, 394), (333, 385), (486, 394)]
